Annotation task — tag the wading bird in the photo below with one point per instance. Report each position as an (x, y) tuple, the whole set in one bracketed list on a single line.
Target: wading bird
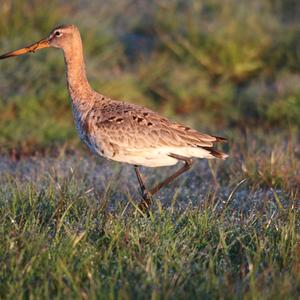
[(123, 131)]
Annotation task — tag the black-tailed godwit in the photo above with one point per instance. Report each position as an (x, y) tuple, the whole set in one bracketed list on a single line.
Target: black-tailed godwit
[(123, 131)]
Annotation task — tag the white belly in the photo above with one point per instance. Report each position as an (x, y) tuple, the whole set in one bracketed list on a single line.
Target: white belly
[(160, 157)]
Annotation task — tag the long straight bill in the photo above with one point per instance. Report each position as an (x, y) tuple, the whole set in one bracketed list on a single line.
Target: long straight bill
[(32, 48)]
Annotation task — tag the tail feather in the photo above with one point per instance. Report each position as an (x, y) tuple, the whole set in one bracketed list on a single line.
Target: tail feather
[(216, 153), (220, 139)]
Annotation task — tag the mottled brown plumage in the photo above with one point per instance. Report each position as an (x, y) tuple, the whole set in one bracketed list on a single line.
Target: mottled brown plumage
[(122, 131)]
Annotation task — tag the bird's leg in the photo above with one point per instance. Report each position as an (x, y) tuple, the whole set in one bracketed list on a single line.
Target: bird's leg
[(146, 202), (147, 195), (188, 164)]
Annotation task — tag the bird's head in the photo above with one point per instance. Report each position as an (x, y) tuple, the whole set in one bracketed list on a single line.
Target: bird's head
[(62, 37)]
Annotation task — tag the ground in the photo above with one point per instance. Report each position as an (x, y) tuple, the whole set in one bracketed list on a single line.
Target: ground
[(70, 228), (69, 224)]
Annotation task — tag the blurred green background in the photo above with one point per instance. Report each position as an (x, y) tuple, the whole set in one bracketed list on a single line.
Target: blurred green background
[(214, 64)]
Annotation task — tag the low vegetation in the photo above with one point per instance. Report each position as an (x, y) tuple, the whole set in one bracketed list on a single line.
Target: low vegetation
[(69, 223), (70, 229)]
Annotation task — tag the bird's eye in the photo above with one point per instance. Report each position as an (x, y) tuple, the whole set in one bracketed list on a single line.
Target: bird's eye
[(58, 33)]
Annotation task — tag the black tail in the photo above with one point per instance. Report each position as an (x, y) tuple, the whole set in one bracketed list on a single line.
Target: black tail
[(220, 139), (216, 153)]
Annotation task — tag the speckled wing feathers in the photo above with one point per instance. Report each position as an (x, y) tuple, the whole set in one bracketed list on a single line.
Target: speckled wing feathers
[(129, 126)]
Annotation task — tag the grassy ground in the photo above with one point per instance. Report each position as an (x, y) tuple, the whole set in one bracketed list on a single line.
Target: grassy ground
[(69, 228)]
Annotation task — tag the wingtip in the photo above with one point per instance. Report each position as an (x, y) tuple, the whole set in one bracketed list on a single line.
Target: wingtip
[(219, 154), (220, 139), (216, 153)]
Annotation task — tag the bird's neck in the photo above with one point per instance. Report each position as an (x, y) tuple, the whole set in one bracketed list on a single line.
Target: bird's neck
[(79, 88)]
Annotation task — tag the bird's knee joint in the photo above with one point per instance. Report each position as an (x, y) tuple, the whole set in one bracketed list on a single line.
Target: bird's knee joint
[(189, 163), (146, 195)]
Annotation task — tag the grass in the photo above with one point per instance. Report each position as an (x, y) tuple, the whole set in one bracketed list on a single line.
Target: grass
[(70, 230), (69, 224)]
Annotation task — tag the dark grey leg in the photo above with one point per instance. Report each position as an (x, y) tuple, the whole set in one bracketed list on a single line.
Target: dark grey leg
[(145, 204), (188, 162), (147, 197)]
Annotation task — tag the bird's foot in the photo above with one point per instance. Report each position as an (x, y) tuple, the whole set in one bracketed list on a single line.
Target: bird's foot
[(146, 203)]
